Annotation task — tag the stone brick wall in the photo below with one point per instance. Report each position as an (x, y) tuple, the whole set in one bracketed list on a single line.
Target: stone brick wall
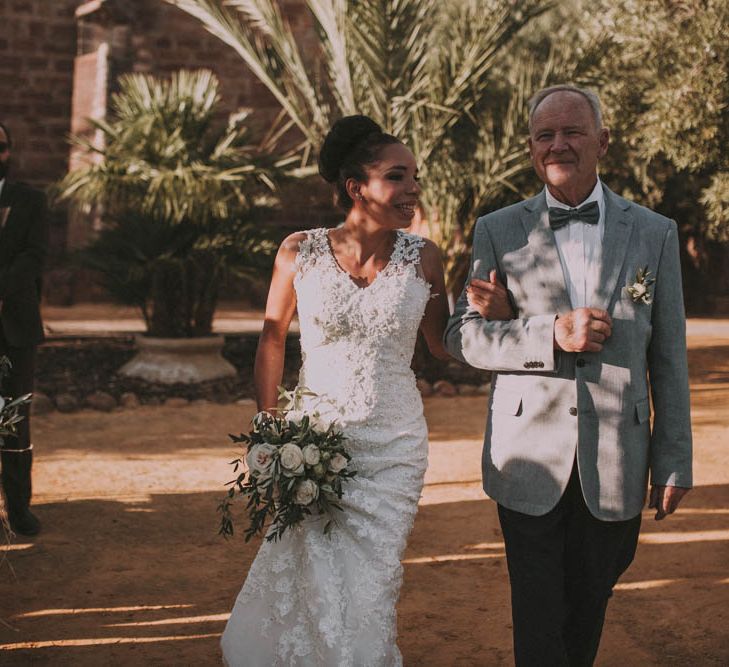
[(38, 45), (37, 49)]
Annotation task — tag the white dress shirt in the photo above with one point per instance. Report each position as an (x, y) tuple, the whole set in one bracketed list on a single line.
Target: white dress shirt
[(2, 183), (579, 245)]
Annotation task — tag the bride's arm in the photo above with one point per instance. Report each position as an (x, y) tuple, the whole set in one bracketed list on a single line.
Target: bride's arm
[(436, 312), (280, 308)]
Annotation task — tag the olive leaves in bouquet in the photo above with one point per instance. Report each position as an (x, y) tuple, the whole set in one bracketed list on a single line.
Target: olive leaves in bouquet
[(10, 414), (295, 466)]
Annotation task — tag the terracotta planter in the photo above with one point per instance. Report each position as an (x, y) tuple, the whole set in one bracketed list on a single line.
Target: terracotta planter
[(178, 360)]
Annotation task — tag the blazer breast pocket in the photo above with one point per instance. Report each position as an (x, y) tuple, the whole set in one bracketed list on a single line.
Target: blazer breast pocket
[(507, 403)]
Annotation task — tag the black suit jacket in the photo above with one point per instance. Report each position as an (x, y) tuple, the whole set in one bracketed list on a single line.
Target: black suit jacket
[(23, 247)]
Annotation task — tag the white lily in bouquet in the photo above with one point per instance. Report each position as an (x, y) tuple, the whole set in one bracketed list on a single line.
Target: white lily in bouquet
[(295, 465)]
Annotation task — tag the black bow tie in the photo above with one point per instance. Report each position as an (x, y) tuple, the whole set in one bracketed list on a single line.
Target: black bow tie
[(559, 217)]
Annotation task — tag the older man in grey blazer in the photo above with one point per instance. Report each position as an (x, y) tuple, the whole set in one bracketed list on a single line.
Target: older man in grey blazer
[(574, 299)]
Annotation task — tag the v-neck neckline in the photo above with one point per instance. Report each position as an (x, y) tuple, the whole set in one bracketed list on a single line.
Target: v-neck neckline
[(350, 278)]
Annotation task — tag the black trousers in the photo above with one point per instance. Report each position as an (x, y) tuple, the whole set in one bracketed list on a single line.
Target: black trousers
[(16, 457), (562, 567)]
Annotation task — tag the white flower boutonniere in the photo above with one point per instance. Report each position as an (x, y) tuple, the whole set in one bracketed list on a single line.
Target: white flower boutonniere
[(640, 289)]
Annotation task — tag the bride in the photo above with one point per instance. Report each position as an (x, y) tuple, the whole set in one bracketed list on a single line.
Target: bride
[(361, 291)]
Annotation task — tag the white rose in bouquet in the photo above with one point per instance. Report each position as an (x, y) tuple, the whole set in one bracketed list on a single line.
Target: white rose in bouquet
[(292, 459), (312, 455), (259, 460), (639, 290), (306, 492), (338, 463)]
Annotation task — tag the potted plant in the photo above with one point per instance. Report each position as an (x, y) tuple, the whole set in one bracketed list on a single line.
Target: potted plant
[(180, 194)]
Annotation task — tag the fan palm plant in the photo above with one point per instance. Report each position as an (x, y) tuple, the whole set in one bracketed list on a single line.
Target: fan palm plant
[(429, 72), (178, 194)]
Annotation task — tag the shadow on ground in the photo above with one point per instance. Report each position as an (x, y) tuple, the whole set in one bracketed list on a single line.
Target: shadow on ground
[(150, 583)]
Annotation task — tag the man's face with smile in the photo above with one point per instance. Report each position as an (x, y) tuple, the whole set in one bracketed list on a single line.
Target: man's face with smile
[(565, 145)]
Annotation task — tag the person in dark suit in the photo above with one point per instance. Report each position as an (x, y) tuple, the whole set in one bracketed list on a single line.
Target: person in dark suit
[(23, 243)]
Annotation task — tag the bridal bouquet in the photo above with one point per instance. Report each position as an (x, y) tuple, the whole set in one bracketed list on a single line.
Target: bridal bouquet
[(296, 463)]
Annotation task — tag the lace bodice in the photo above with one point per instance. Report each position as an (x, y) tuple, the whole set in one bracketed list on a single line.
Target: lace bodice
[(358, 342)]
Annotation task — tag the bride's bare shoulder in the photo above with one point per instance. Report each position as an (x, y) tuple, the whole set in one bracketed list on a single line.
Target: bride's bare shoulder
[(291, 245)]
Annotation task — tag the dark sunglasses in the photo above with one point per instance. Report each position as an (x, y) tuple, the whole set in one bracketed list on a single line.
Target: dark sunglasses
[(4, 146)]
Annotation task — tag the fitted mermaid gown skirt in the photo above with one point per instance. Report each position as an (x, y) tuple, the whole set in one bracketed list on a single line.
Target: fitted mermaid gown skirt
[(315, 600)]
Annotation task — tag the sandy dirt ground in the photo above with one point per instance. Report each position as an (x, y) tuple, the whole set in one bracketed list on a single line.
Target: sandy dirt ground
[(129, 570)]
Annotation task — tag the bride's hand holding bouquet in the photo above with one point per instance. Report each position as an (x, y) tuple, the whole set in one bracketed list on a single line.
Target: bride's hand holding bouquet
[(295, 465)]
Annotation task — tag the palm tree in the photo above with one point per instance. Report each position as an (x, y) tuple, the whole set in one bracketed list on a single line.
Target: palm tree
[(178, 193), (432, 73)]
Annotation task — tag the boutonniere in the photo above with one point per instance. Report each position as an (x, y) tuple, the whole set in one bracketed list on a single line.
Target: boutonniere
[(4, 213), (640, 289)]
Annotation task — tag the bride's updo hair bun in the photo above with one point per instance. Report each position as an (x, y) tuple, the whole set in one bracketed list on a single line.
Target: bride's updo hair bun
[(351, 144)]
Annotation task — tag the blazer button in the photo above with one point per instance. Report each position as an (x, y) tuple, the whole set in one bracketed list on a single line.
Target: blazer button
[(580, 363), (526, 364), (540, 364), (573, 412)]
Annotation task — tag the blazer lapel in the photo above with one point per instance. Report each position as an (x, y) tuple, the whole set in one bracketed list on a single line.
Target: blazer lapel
[(543, 250), (618, 228)]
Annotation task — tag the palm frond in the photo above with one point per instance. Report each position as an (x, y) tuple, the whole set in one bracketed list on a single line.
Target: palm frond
[(278, 67), (331, 19), (434, 74)]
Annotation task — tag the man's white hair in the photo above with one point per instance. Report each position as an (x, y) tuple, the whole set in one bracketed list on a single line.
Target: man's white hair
[(592, 99)]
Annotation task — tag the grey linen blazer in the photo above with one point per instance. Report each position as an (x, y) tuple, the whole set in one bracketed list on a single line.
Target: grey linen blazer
[(547, 406)]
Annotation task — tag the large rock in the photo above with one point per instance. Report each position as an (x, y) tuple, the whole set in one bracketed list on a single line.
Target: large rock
[(67, 403), (445, 388), (173, 360), (467, 390), (176, 402), (101, 401), (129, 400), (41, 404), (424, 387)]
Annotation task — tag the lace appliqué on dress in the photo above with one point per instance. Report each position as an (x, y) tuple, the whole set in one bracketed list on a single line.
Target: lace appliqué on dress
[(312, 600)]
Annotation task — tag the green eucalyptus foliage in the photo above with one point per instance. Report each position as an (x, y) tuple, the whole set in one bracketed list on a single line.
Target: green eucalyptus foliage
[(181, 195)]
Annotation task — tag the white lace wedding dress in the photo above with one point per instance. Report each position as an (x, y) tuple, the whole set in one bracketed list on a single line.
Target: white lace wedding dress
[(315, 600)]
